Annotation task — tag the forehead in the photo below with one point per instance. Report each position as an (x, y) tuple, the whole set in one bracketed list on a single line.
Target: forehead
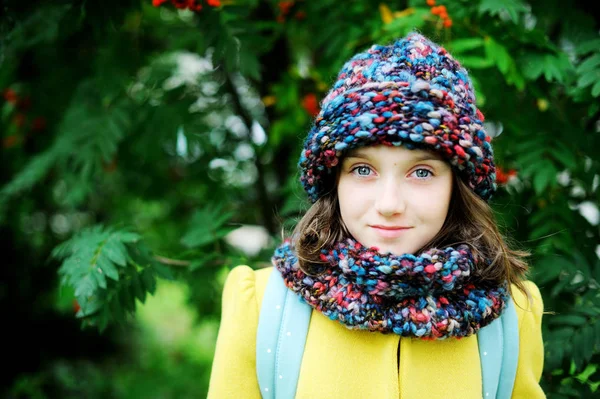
[(393, 153)]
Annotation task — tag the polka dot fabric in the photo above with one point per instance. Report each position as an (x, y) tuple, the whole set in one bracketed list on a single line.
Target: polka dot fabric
[(411, 93), (430, 296)]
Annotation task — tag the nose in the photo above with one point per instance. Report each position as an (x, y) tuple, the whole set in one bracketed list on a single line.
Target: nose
[(389, 198)]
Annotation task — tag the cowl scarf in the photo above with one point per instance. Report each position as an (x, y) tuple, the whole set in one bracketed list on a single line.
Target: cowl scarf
[(429, 296)]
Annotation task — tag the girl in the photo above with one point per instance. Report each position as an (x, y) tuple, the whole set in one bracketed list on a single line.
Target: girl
[(399, 256)]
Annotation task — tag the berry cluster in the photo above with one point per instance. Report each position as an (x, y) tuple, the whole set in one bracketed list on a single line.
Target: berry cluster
[(310, 103), (20, 121), (503, 177), (285, 8), (193, 5), (441, 12)]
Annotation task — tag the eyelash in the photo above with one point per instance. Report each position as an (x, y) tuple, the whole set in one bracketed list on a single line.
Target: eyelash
[(365, 166)]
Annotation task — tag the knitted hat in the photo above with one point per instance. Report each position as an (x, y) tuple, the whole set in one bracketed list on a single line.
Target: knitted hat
[(411, 93)]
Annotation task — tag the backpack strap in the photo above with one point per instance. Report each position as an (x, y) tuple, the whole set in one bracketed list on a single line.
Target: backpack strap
[(499, 353), (281, 336), (283, 326)]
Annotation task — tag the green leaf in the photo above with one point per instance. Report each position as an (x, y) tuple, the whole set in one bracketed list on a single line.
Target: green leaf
[(86, 286), (551, 211), (590, 369), (62, 250), (562, 333), (550, 268), (587, 46), (588, 337), (534, 156), (204, 260), (99, 276), (597, 332), (127, 236), (136, 284), (589, 64), (495, 7), (580, 347), (149, 280), (116, 309), (564, 155), (249, 65), (588, 79), (475, 62), (205, 225), (103, 318), (29, 175), (552, 65), (41, 26), (544, 177), (596, 89), (532, 65), (589, 311), (581, 263), (568, 320), (116, 252), (108, 268), (162, 271), (548, 227), (466, 44), (552, 71), (559, 287), (127, 299), (495, 51), (90, 306)]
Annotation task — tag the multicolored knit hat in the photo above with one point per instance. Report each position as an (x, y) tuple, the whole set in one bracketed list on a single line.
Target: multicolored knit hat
[(411, 93)]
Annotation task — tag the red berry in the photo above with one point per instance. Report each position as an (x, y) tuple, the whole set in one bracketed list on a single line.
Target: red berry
[(311, 104), (181, 4), (19, 119), (10, 141), (38, 124), (76, 306), (10, 96), (284, 6)]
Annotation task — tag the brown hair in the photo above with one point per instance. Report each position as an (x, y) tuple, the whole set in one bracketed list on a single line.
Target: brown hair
[(470, 220)]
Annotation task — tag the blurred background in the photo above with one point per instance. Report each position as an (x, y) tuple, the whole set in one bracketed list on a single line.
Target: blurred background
[(149, 146)]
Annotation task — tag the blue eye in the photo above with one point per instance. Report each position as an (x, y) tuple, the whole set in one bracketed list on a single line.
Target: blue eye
[(362, 168), (423, 170)]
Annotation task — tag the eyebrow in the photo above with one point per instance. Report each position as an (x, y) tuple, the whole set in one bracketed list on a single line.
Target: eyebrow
[(422, 157)]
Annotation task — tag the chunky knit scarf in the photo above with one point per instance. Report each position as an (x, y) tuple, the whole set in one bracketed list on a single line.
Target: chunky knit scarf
[(430, 296)]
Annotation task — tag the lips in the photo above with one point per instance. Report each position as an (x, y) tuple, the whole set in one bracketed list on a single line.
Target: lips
[(390, 231), (390, 227)]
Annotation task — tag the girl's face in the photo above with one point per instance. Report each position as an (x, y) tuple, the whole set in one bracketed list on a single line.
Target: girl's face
[(393, 198)]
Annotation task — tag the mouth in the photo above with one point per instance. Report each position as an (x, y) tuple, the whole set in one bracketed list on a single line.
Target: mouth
[(390, 231)]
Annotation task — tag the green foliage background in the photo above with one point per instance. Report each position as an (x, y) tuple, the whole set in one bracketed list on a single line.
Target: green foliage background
[(136, 138)]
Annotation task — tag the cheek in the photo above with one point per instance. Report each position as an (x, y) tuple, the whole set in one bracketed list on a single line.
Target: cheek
[(434, 203), (353, 198)]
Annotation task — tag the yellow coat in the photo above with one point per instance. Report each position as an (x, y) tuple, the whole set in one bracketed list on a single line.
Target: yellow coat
[(343, 363)]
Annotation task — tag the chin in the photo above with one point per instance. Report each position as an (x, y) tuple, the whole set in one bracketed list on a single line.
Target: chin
[(386, 248), (395, 249)]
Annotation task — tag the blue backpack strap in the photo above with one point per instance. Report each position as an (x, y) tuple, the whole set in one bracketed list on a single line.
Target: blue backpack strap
[(280, 339), (499, 353)]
